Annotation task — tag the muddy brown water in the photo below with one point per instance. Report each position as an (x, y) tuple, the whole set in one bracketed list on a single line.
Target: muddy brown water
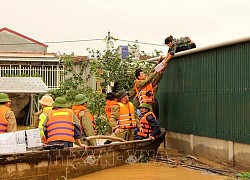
[(148, 171)]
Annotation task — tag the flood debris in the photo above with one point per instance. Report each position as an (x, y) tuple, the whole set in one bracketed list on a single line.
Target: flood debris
[(192, 162)]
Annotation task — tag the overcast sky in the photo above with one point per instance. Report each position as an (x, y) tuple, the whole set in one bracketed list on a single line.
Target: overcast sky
[(206, 22)]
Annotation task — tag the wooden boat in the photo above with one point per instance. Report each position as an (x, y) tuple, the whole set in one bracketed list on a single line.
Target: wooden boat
[(73, 162)]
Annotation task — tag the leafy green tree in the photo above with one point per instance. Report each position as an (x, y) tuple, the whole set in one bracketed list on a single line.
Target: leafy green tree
[(107, 67)]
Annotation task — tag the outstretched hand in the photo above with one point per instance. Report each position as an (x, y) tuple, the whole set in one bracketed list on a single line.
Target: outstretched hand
[(160, 59)]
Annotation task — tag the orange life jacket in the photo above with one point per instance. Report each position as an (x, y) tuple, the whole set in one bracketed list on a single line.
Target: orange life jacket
[(108, 107), (126, 116), (141, 95), (77, 109), (146, 128), (60, 125), (3, 121)]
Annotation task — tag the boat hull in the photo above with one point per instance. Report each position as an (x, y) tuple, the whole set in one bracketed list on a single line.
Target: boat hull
[(74, 162)]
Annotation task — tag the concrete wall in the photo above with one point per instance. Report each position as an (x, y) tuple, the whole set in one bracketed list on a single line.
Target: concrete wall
[(216, 149), (10, 38), (92, 79)]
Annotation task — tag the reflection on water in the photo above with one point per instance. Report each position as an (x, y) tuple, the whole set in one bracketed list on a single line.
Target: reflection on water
[(149, 172)]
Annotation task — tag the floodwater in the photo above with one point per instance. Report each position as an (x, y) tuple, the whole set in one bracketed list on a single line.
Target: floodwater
[(147, 171)]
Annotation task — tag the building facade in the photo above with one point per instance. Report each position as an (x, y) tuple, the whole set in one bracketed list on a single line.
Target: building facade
[(24, 56)]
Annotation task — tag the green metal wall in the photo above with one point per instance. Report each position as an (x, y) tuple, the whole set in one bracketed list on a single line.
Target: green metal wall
[(208, 93)]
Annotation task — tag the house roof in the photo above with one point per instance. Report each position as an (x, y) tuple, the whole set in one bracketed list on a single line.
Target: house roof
[(23, 36), (22, 85), (28, 54)]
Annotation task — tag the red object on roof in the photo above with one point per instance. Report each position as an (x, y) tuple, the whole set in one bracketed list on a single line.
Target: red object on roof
[(23, 36)]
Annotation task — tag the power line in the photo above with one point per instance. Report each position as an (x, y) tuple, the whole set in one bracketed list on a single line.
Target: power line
[(83, 40), (54, 42), (139, 42)]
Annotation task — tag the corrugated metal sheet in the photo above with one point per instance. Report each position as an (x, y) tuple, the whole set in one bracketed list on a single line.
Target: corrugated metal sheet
[(233, 93), (208, 93), (22, 85)]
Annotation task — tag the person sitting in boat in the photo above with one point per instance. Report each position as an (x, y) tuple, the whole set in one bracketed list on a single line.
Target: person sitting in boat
[(177, 45), (62, 126), (46, 104), (7, 116), (150, 126), (110, 102), (123, 119), (87, 122)]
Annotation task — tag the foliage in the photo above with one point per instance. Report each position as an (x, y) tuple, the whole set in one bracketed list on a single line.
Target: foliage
[(76, 83), (108, 67), (103, 127), (244, 175)]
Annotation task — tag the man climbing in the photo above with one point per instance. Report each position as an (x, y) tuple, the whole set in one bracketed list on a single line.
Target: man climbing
[(177, 45)]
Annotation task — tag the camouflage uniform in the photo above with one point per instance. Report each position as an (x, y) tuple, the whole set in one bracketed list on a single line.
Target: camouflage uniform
[(87, 125), (10, 117), (179, 44), (126, 134), (153, 78), (84, 117)]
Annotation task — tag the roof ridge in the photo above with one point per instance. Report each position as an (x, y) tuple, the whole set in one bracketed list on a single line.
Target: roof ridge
[(23, 36)]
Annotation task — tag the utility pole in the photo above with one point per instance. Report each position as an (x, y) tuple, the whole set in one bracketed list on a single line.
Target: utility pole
[(108, 41), (108, 47)]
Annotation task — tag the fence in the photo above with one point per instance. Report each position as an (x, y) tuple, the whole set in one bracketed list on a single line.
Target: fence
[(208, 93), (52, 75)]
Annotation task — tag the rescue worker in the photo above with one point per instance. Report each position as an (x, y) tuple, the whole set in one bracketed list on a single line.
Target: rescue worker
[(142, 81), (123, 118), (150, 127), (62, 126), (177, 45), (7, 116), (110, 102), (46, 104), (87, 122), (36, 117), (144, 88)]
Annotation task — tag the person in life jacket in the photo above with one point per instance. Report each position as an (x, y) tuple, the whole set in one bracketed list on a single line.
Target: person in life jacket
[(62, 126), (7, 116), (36, 117), (46, 104), (110, 102), (149, 124), (123, 118), (85, 118), (145, 89)]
